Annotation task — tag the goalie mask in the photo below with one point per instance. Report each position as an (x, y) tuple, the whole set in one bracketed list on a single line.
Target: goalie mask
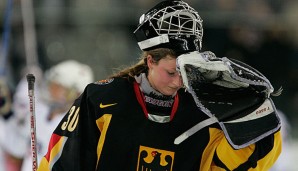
[(170, 24)]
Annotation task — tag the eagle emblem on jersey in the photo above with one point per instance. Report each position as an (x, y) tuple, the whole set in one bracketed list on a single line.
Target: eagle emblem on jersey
[(155, 159), (103, 82)]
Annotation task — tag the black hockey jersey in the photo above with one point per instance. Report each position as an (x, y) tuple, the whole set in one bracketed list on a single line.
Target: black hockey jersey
[(107, 130)]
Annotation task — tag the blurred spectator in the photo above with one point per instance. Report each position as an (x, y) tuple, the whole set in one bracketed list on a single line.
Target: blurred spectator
[(62, 84), (5, 113), (5, 98)]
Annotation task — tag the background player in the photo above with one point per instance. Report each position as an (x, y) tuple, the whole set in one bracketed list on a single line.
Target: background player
[(61, 85)]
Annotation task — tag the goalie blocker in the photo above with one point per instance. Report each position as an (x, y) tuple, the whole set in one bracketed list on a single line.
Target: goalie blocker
[(231, 93)]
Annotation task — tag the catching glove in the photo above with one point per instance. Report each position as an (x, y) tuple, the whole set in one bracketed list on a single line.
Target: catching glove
[(231, 93)]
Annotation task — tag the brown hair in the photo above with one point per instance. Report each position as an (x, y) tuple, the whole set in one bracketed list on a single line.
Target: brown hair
[(141, 66)]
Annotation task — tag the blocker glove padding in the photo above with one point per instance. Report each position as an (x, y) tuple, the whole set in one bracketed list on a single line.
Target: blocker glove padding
[(231, 93)]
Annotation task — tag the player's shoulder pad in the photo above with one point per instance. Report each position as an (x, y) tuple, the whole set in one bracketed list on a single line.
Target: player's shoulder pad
[(113, 84), (104, 82)]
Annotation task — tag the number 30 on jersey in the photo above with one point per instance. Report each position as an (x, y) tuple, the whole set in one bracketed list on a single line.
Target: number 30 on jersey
[(72, 120)]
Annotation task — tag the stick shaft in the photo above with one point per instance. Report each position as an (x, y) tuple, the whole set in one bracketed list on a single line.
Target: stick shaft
[(31, 81)]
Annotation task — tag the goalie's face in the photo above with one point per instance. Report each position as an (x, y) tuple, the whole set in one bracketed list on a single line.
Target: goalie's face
[(163, 76)]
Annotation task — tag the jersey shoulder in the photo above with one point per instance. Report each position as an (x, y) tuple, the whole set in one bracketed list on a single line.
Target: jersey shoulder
[(111, 83), (109, 87)]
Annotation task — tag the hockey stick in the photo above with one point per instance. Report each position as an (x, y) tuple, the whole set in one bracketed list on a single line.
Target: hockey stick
[(31, 81)]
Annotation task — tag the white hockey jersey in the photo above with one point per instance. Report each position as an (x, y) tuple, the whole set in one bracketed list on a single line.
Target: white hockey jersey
[(18, 141)]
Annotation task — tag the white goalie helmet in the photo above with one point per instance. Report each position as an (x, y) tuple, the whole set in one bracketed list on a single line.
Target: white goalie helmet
[(71, 74), (170, 24)]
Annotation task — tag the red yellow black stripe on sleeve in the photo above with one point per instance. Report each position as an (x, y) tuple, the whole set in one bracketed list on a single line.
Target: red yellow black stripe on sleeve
[(55, 148)]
